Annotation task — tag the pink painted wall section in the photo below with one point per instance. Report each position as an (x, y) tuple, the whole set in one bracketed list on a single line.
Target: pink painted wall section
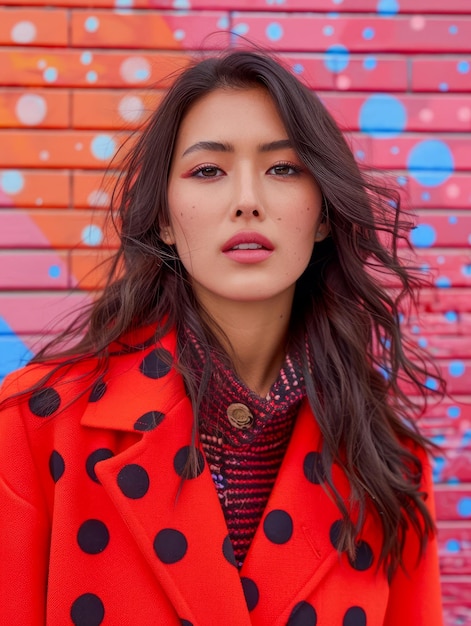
[(77, 76)]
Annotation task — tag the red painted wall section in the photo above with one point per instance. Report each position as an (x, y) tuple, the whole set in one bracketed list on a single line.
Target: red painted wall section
[(78, 75)]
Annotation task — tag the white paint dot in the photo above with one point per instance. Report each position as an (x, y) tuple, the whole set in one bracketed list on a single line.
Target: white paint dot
[(453, 191), (417, 22), (179, 35), (79, 146), (41, 64), (135, 69), (131, 108), (98, 198), (31, 109), (464, 114), (38, 202), (44, 155), (426, 115), (23, 32), (343, 82)]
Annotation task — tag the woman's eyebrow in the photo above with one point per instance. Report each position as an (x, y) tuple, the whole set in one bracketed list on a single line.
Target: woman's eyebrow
[(219, 146)]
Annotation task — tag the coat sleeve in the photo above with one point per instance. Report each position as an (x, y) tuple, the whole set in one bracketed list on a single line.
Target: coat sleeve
[(415, 595), (23, 522)]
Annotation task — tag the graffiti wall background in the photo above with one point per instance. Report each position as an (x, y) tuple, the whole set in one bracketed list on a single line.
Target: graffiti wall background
[(78, 76)]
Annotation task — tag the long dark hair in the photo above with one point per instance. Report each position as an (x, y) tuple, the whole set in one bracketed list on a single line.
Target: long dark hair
[(347, 307)]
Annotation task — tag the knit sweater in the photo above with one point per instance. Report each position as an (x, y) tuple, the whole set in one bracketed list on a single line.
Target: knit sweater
[(244, 438)]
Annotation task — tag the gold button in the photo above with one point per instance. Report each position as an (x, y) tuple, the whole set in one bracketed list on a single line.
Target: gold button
[(239, 415)]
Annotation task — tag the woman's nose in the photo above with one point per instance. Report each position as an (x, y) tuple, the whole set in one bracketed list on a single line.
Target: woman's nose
[(248, 198)]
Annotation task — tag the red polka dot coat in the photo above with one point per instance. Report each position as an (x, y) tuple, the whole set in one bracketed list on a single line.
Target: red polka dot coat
[(97, 527)]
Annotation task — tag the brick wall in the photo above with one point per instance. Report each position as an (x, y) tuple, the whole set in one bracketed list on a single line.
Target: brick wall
[(395, 73)]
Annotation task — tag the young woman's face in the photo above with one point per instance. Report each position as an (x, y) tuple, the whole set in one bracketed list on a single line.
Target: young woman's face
[(244, 212)]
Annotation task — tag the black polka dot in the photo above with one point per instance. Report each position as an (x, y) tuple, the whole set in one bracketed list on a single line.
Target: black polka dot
[(313, 468), (98, 391), (87, 610), (149, 421), (278, 526), (156, 364), (95, 457), (228, 551), (334, 534), (44, 402), (363, 558), (133, 480), (355, 616), (185, 622), (93, 536), (303, 614), (250, 592), (56, 465), (170, 545), (181, 458)]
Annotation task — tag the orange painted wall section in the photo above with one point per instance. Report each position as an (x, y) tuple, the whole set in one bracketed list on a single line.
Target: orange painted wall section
[(77, 77)]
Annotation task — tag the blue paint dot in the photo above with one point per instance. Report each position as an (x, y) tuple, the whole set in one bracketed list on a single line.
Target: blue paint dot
[(431, 383), (360, 154), (415, 329), (337, 58), (453, 412), (452, 545), (388, 7), (466, 270), (92, 235), (368, 33), (443, 282), (422, 342), (453, 29), (86, 58), (223, 23), (463, 67), (439, 440), (179, 34), (394, 150), (240, 29), (425, 195), (453, 480), (425, 267), (337, 1), (401, 180), (443, 86), (438, 466), (91, 77), (466, 439), (92, 24), (370, 63), (452, 219), (423, 236), (464, 507), (382, 115), (328, 31), (12, 181), (431, 162), (456, 368), (298, 68), (54, 271), (103, 147), (451, 316), (274, 31), (141, 73), (50, 74)]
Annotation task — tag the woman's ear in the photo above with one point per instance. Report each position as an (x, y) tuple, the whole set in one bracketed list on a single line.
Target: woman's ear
[(166, 234), (322, 231)]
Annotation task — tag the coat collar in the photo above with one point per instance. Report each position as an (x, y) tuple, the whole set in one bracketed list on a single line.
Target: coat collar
[(179, 526)]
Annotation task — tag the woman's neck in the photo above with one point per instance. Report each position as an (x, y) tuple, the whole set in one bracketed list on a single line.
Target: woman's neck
[(254, 335)]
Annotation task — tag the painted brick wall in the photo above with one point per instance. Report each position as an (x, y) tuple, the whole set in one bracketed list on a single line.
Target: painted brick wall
[(75, 79)]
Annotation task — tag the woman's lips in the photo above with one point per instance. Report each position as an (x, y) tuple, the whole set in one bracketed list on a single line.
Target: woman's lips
[(248, 247)]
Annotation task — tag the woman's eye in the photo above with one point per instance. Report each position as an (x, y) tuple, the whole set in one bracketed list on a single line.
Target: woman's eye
[(207, 171), (285, 169)]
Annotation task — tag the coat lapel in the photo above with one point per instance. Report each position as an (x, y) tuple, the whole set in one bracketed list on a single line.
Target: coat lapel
[(292, 552), (178, 525)]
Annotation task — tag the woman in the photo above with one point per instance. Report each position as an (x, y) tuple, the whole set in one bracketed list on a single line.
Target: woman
[(230, 441)]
